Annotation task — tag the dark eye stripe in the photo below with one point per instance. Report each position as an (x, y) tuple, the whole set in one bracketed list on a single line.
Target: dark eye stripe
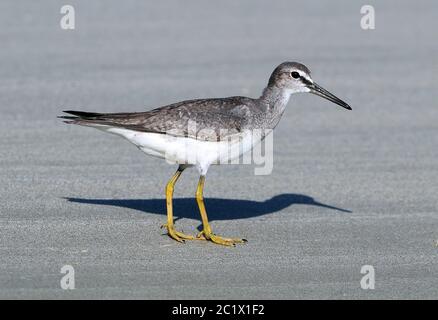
[(305, 81)]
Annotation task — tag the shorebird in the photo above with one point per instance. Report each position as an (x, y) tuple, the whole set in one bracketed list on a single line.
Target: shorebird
[(201, 132)]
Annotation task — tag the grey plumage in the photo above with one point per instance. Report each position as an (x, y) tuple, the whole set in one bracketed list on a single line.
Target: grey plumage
[(212, 119), (204, 119)]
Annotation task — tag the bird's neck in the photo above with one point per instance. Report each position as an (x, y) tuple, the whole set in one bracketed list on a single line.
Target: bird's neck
[(274, 99)]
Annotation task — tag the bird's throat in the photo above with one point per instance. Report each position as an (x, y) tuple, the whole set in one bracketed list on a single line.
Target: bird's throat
[(274, 100)]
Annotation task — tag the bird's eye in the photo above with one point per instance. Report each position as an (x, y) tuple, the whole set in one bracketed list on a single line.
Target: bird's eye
[(295, 75)]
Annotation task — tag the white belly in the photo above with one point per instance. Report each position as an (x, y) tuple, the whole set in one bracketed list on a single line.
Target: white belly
[(181, 150)]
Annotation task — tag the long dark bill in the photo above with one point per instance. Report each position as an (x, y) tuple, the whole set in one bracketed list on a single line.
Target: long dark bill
[(320, 91)]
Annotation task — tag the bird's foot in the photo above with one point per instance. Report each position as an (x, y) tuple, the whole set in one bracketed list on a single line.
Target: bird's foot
[(176, 235), (208, 235)]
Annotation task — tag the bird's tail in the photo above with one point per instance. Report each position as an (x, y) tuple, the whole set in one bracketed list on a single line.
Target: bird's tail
[(105, 120), (85, 118)]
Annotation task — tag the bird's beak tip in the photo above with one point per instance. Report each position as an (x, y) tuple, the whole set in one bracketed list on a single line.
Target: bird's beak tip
[(320, 91)]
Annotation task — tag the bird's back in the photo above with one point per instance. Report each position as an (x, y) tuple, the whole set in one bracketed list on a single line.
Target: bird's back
[(202, 119)]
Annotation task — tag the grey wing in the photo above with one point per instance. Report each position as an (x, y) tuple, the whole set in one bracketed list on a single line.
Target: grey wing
[(201, 125), (206, 119)]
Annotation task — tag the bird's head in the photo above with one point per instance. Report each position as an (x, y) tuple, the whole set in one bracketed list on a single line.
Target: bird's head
[(295, 77)]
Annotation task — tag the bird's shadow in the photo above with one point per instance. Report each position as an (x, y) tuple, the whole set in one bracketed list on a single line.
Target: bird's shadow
[(218, 208)]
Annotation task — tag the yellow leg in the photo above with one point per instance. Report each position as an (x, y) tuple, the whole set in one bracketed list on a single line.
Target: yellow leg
[(178, 236), (206, 232)]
